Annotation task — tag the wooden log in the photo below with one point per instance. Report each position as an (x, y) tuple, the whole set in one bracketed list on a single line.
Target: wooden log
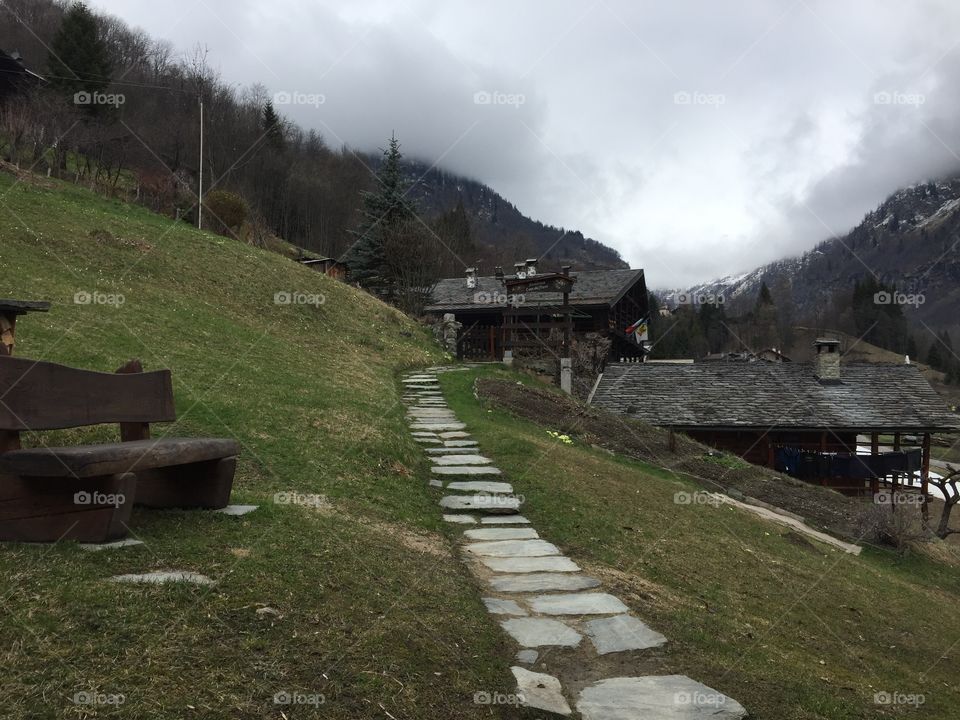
[(93, 509), (41, 395), (203, 485)]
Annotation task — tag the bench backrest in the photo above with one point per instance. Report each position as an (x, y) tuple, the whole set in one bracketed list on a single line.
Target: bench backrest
[(37, 395)]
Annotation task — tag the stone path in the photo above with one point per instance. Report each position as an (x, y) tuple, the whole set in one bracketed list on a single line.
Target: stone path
[(541, 598)]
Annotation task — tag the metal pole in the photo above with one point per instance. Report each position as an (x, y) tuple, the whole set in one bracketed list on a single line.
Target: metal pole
[(200, 195)]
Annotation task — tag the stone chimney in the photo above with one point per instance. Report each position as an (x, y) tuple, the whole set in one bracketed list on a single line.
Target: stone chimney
[(471, 278), (521, 270), (531, 267), (827, 363)]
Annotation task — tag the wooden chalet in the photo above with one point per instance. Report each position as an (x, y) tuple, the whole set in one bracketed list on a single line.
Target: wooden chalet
[(15, 77), (814, 411), (326, 265), (519, 311)]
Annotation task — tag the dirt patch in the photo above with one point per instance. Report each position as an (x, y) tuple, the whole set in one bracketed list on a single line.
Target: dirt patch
[(820, 507)]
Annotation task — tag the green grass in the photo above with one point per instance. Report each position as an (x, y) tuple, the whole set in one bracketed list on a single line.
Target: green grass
[(376, 613), (792, 629)]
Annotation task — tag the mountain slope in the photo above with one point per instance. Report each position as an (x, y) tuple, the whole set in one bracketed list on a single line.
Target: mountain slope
[(908, 241), (502, 233)]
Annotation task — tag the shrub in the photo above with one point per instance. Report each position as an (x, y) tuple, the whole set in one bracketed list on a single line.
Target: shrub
[(225, 213)]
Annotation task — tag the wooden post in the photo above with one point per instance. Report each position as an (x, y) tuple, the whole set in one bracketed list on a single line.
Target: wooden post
[(672, 440), (874, 443), (133, 430), (896, 442), (8, 325), (771, 454), (925, 478)]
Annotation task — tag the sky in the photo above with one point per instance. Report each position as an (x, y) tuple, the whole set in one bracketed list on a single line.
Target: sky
[(700, 139)]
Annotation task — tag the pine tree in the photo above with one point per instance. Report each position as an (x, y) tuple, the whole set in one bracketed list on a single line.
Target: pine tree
[(273, 127), (935, 355), (385, 209), (79, 59)]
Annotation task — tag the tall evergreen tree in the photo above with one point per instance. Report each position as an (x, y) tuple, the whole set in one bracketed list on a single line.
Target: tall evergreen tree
[(79, 59), (273, 127), (386, 211)]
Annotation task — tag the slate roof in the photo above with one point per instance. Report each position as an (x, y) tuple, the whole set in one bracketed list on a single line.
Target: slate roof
[(593, 287), (881, 397)]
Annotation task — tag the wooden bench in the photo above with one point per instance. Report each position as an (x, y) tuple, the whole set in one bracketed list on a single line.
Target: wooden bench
[(86, 492)]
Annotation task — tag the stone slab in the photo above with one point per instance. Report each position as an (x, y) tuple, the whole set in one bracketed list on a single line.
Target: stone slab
[(540, 691), (621, 633), (428, 441), (547, 563), (505, 520), (542, 582), (655, 697), (498, 606), (584, 603), (161, 577), (527, 657), (463, 460), (464, 470), (236, 510), (436, 483), (444, 451), (461, 519), (115, 545), (459, 443), (484, 486), (437, 427), (426, 434), (536, 632), (514, 549), (455, 435), (481, 503), (507, 533)]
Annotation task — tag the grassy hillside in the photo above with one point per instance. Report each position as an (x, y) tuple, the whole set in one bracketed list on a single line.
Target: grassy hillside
[(374, 611), (792, 629), (370, 610)]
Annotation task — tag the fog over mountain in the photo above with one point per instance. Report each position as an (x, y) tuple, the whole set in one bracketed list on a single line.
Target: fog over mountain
[(698, 139)]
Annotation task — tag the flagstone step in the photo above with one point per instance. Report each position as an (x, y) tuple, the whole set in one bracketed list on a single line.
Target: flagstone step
[(464, 470), (585, 603), (621, 633), (481, 503), (540, 691), (531, 632), (462, 460), (541, 582), (481, 486), (547, 564), (514, 549), (655, 697), (508, 533)]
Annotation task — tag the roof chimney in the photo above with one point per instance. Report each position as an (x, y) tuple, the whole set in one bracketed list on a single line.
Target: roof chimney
[(827, 362), (520, 269), (471, 278), (531, 267)]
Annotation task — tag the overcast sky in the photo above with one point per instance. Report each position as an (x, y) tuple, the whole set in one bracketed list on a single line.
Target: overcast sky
[(698, 138)]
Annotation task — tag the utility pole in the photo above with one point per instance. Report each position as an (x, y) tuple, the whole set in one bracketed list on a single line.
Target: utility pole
[(200, 194)]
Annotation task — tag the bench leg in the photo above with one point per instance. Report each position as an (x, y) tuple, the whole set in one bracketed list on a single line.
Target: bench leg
[(203, 485), (42, 509)]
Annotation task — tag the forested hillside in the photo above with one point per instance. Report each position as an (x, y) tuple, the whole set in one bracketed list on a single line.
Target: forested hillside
[(121, 113)]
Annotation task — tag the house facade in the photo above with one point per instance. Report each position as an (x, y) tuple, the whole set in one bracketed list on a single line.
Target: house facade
[(612, 304), (779, 414)]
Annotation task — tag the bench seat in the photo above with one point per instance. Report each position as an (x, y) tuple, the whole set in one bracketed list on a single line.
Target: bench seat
[(113, 458)]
